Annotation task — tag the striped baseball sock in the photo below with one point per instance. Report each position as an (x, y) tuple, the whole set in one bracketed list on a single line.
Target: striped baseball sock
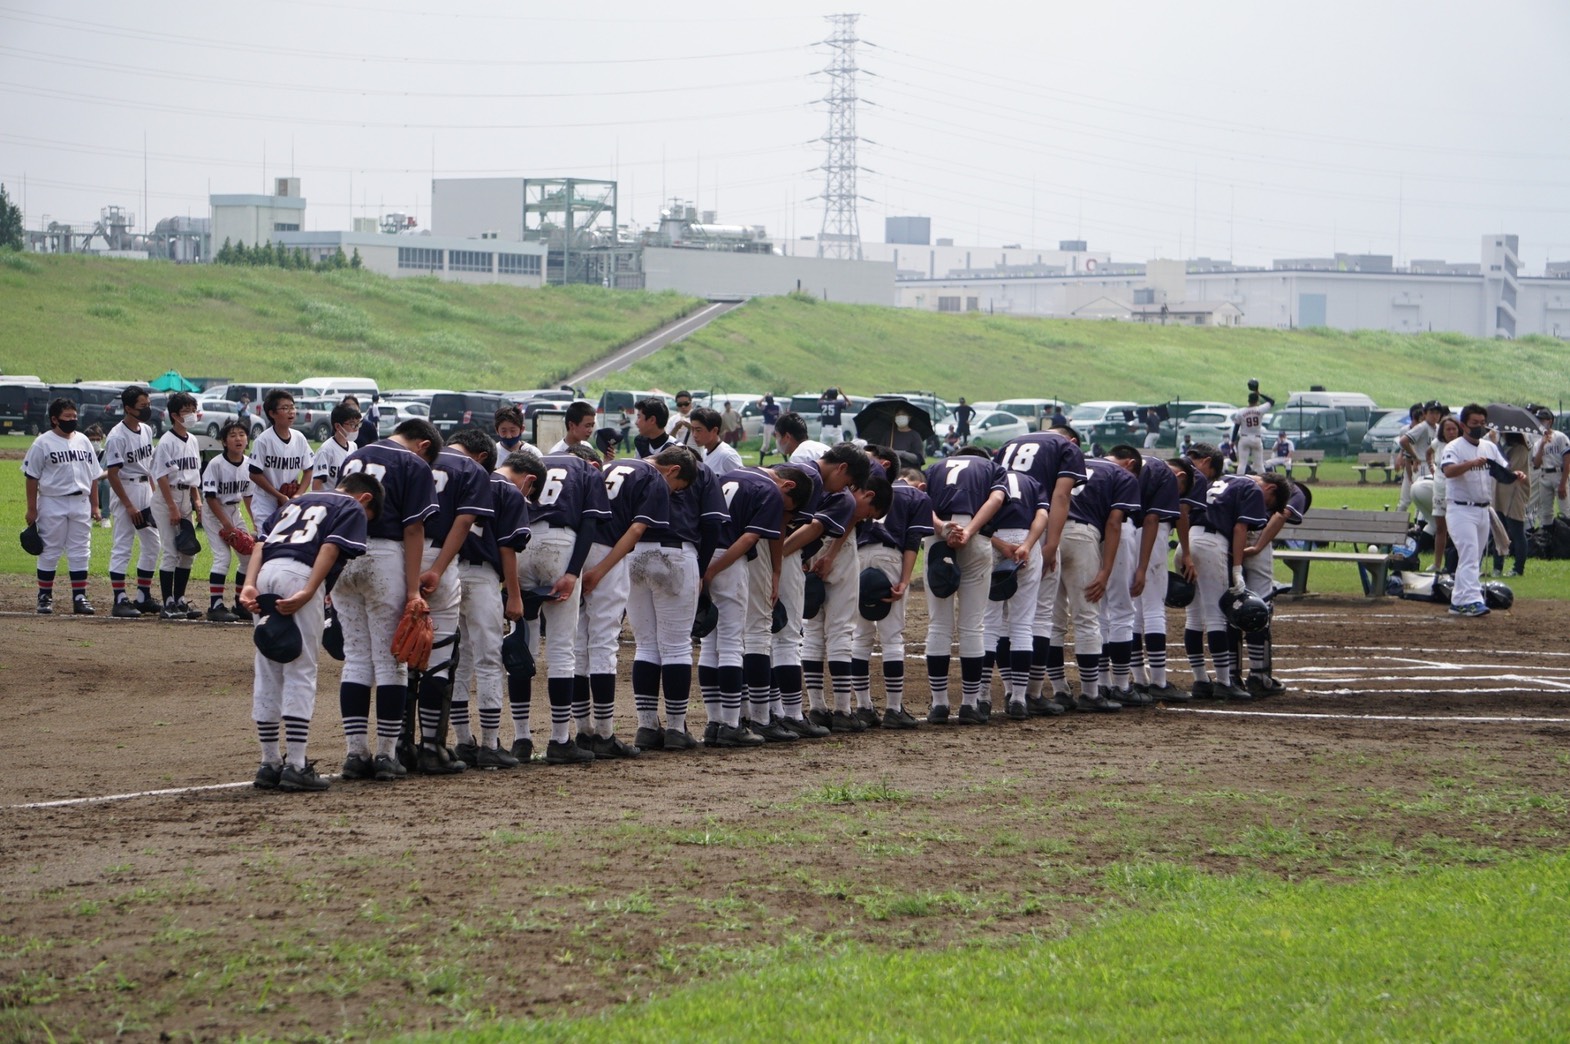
[(1256, 650), (144, 584), (1221, 655), (1119, 653), (390, 701), (709, 690), (267, 736), (581, 697), (893, 684), (861, 682), (1021, 661), (354, 707), (839, 676), (732, 686), (788, 680), (46, 582), (215, 590), (1136, 659), (520, 700), (970, 680), (296, 731), (490, 726), (812, 682), (1194, 649), (117, 586), (1156, 645), (559, 691), (646, 693), (1089, 664), (1040, 651), (458, 717), (166, 585), (1005, 663), (676, 680), (1057, 669), (938, 679), (755, 674), (602, 687), (78, 584)]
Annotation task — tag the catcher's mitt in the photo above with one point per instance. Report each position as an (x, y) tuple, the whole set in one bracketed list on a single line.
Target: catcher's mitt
[(240, 540), (412, 640), (290, 489)]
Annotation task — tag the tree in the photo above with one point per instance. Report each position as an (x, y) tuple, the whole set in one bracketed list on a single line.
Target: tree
[(355, 262), (11, 231), (242, 256), (226, 253)]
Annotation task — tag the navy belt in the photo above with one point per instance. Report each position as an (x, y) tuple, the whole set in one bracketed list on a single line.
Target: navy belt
[(663, 541), (1471, 503)]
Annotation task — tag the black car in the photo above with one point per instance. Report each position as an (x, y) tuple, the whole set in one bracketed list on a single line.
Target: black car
[(22, 406), (459, 411)]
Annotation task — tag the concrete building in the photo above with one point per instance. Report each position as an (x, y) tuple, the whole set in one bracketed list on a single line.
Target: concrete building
[(944, 259), (451, 258), (254, 219), (728, 275)]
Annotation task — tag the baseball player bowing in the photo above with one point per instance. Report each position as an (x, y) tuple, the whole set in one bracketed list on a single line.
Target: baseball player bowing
[(463, 499), (488, 558), (1161, 491), (226, 486), (763, 566), (966, 491), (62, 482), (281, 460), (373, 590), (301, 546), (1221, 511), (566, 506), (889, 545), (1286, 501), (1017, 532), (128, 453), (785, 667), (176, 472), (755, 510)]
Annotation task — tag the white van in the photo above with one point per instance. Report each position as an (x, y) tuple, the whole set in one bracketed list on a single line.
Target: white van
[(361, 388), (1359, 408)]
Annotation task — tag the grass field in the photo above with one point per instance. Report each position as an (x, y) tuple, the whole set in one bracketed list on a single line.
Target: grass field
[(81, 318), (1439, 954), (790, 344)]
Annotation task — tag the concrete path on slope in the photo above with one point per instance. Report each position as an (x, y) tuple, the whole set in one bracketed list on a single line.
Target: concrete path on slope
[(670, 333)]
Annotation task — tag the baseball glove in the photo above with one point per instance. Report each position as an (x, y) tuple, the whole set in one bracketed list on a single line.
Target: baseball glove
[(412, 640), (290, 489), (240, 540)]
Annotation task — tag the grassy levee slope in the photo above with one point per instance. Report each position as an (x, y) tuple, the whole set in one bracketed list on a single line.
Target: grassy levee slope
[(69, 318), (790, 344)]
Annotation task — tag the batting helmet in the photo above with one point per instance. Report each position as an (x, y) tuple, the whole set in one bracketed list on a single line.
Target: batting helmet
[(706, 618), (1245, 610), (32, 543), (1005, 581), (1444, 588), (1179, 591), (1497, 595)]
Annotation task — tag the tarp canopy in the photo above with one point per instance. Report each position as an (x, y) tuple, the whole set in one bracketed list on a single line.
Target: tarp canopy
[(173, 382)]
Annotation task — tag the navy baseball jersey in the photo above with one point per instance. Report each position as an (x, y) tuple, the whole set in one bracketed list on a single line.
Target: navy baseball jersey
[(754, 503), (573, 492), (462, 488), (1297, 506), (815, 477), (907, 524), (298, 530), (1158, 489), (1198, 491), (1107, 488), (691, 507), (1025, 499), (830, 411), (507, 527), (835, 511), (637, 493), (409, 487), (960, 485), (1046, 457), (1232, 499)]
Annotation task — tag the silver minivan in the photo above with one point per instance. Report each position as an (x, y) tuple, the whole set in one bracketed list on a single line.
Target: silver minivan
[(1357, 407)]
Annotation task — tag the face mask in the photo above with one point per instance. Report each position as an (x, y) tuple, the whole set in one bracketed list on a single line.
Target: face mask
[(902, 421), (512, 443), (138, 414), (66, 426), (187, 420), (1476, 431)]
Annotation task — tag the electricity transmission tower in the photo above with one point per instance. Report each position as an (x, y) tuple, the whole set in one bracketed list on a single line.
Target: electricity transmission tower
[(840, 236)]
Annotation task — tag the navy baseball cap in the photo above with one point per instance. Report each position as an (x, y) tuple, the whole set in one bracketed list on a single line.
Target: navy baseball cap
[(1005, 581), (875, 587), (942, 571), (706, 618), (332, 634), (607, 439), (276, 635), (815, 594), (777, 624), (32, 542), (516, 657), (533, 597)]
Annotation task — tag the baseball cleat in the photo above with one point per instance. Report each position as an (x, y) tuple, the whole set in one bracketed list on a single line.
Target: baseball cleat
[(772, 731), (1041, 707), (1230, 691), (267, 775), (1131, 697), (241, 615), (1260, 685), (938, 715), (492, 758), (1168, 693), (711, 734), (1097, 703), (610, 747), (468, 753), (568, 753), (824, 719), (523, 750), (984, 708), (647, 738), (679, 740), (438, 761), (1064, 699), (1471, 609), (220, 614), (387, 768), (190, 614), (171, 611), (1203, 689), (899, 718), (46, 604), (969, 715), (868, 717), (124, 610), (737, 736), (584, 740), (295, 779), (147, 607), (843, 721), (803, 728), (80, 606), (1017, 711), (358, 766)]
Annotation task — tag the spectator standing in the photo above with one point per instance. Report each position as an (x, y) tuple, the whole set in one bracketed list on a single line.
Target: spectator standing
[(1510, 501), (1152, 428), (1549, 452), (962, 418), (679, 426), (730, 425), (771, 413)]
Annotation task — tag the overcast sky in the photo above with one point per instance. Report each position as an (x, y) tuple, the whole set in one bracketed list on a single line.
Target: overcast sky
[(1248, 129)]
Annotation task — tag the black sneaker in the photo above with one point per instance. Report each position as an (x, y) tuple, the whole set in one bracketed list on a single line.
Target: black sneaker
[(611, 748), (1017, 711), (679, 740), (125, 610), (1097, 703), (147, 607), (647, 738), (295, 779), (772, 731), (584, 740), (80, 606), (1167, 693), (969, 715), (267, 776), (738, 736), (1064, 700), (1041, 707), (938, 715), (1233, 693), (492, 758), (843, 721), (711, 734), (568, 753), (171, 611), (241, 614), (984, 708), (46, 604), (803, 728), (358, 766), (220, 614), (824, 719), (523, 750), (868, 717), (899, 719), (385, 767), (438, 761), (1203, 690), (468, 753), (1131, 697)]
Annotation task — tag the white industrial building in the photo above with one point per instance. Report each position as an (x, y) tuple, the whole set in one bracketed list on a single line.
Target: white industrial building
[(451, 258), (255, 219)]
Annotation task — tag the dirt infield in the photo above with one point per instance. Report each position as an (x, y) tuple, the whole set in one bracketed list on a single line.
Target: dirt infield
[(220, 910)]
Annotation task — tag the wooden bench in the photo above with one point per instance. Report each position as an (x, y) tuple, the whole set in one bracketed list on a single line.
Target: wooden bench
[(1367, 462), (1342, 526), (1310, 459)]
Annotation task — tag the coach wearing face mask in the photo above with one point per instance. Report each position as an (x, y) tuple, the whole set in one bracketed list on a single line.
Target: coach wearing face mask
[(1472, 465), (906, 439)]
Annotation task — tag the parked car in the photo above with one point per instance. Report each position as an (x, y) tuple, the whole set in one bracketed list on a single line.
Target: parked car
[(460, 411), (335, 388), (1102, 421), (616, 407), (936, 408), (313, 418), (390, 413), (1210, 426), (1312, 428), (807, 406), (113, 412), (1035, 411), (21, 403), (995, 427), (1355, 405), (1381, 437), (212, 414), (532, 394)]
